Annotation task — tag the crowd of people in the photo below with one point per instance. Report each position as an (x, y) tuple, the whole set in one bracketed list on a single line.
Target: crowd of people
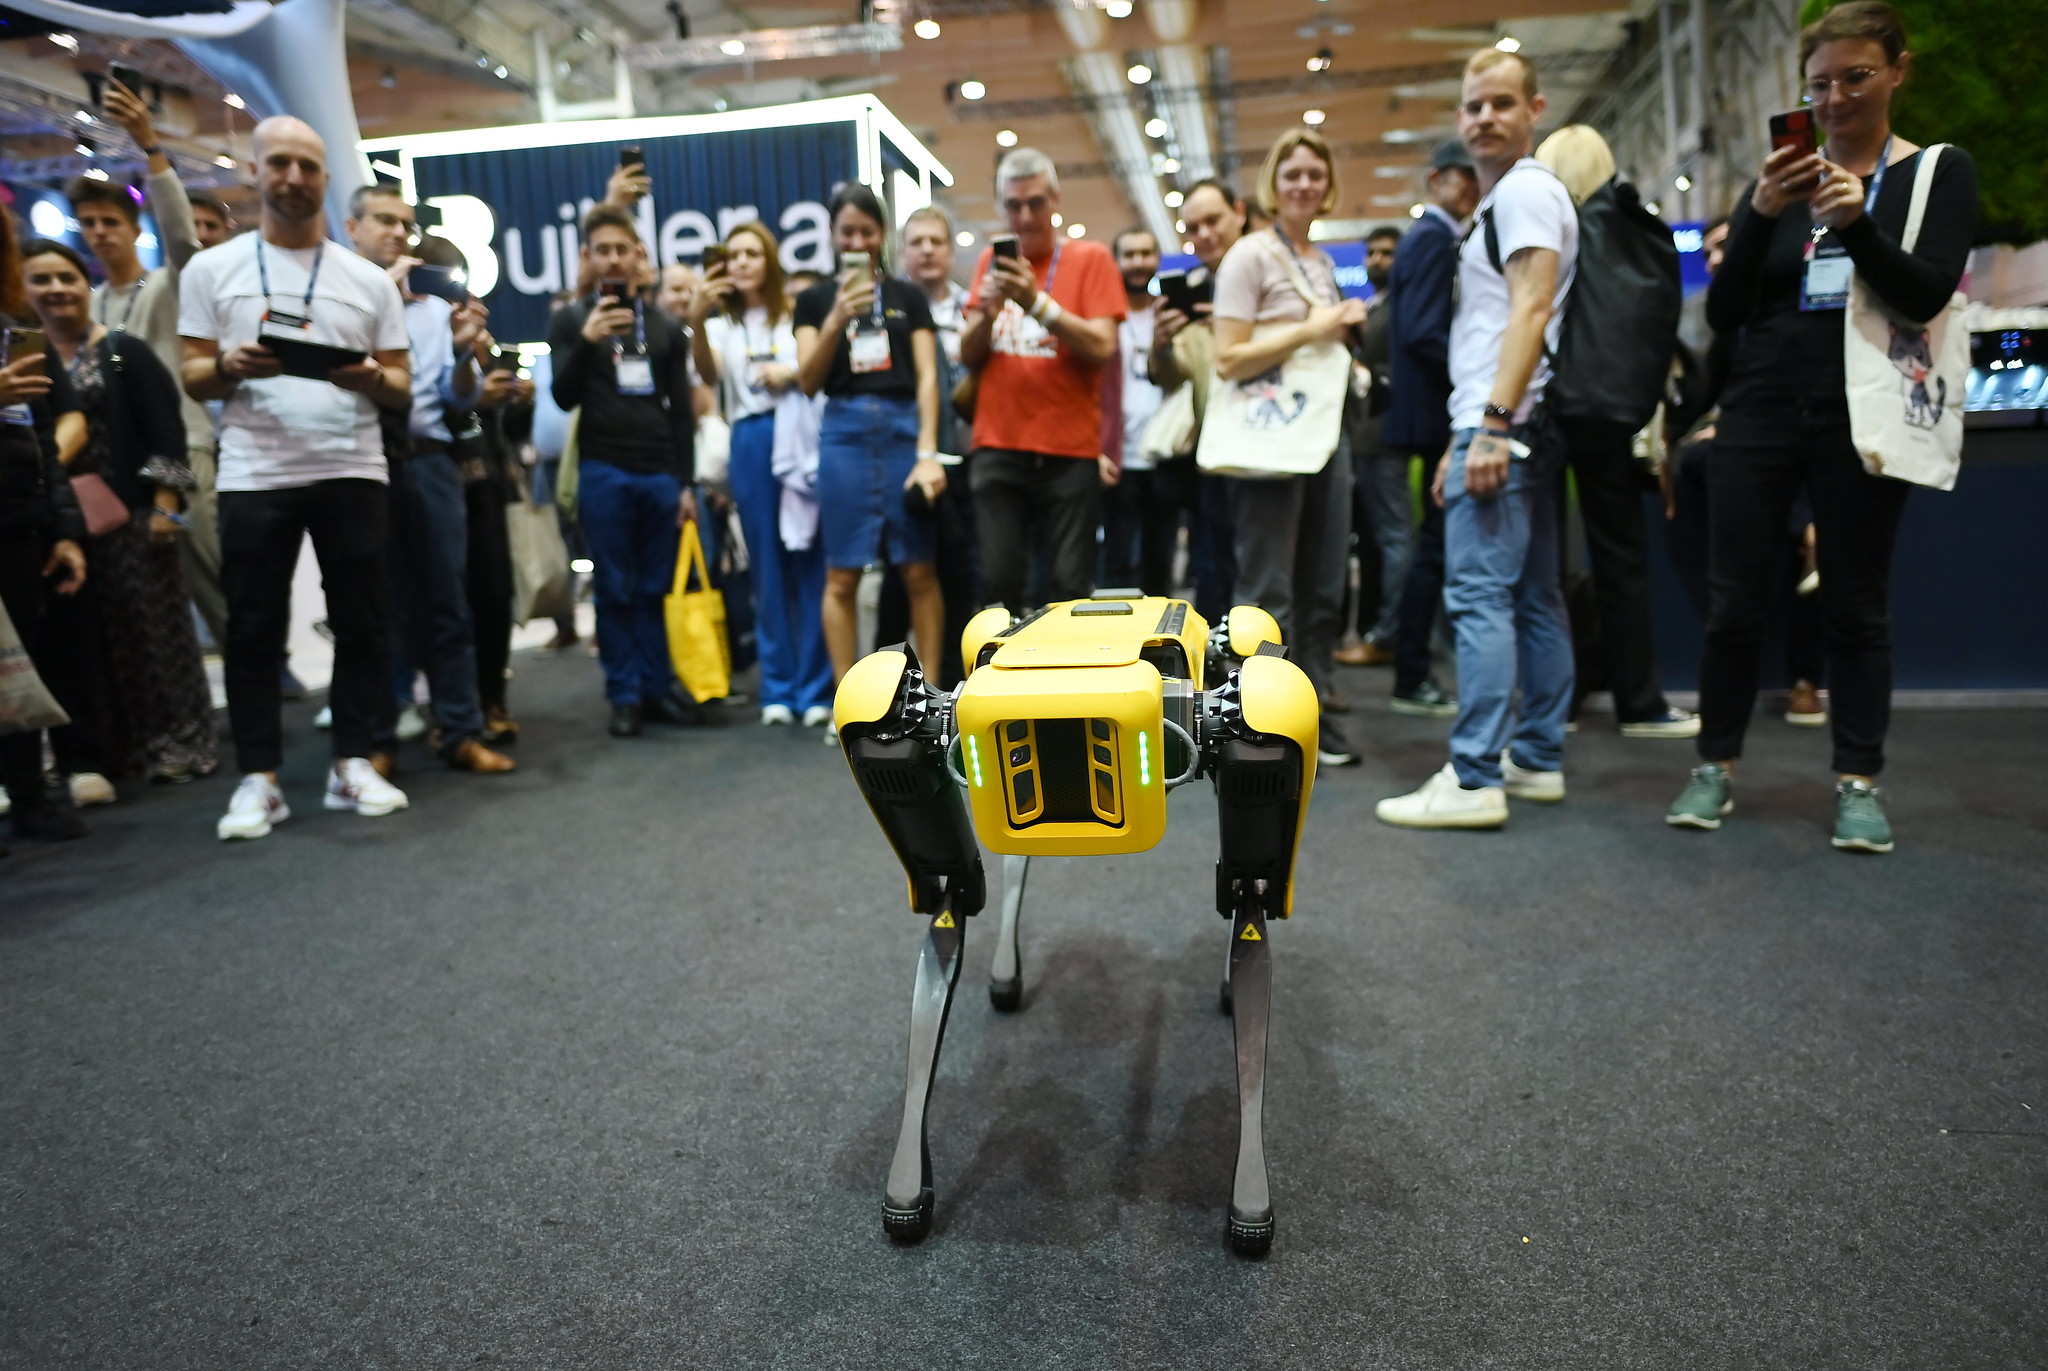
[(1068, 420)]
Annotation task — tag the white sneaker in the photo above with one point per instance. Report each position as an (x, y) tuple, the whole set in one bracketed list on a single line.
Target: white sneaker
[(411, 724), (1521, 783), (91, 788), (325, 718), (1443, 803), (257, 807), (1672, 723), (818, 716), (777, 714), (6, 805), (355, 784)]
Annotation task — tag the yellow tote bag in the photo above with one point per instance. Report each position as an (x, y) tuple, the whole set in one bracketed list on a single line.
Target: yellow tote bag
[(696, 625)]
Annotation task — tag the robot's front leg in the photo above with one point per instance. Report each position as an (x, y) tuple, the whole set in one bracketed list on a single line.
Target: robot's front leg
[(907, 1204), (1006, 976), (1250, 989)]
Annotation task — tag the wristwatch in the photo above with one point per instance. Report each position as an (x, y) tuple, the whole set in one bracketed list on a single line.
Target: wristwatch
[(1500, 412), (153, 149)]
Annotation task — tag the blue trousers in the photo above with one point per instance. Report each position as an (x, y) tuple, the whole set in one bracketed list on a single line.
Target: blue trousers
[(789, 587), (431, 628), (1506, 606), (629, 520)]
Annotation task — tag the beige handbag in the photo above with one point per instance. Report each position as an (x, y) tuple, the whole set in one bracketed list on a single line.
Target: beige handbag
[(26, 705)]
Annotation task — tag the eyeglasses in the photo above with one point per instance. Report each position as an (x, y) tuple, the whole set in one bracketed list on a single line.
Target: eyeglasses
[(1854, 84)]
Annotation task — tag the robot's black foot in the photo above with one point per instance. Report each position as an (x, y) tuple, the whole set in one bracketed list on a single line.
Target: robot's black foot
[(1006, 995), (911, 1225), (1251, 1237), (1223, 998)]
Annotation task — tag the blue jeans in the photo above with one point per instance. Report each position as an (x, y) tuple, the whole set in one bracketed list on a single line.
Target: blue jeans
[(1506, 606), (629, 519), (431, 628), (867, 445), (789, 587)]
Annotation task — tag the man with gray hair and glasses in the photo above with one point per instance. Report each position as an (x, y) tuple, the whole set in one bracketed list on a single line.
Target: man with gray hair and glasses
[(1041, 323)]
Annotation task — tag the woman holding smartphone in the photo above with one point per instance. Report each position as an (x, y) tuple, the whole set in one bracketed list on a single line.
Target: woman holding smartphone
[(1810, 221), (745, 347), (868, 342)]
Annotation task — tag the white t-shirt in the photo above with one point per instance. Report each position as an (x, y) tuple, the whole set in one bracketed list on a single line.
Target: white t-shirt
[(1141, 397), (1530, 209), (287, 431), (741, 345)]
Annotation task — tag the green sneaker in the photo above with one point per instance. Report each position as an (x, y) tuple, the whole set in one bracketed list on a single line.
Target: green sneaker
[(1703, 801), (1860, 825)]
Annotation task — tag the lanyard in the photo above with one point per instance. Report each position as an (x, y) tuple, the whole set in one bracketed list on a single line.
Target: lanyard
[(1300, 265), (1052, 272), (134, 299), (1884, 158), (312, 278)]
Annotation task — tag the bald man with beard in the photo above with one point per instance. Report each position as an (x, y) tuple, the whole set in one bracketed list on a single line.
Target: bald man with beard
[(300, 455)]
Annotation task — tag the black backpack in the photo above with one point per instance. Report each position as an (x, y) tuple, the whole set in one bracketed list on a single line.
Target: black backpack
[(1621, 320)]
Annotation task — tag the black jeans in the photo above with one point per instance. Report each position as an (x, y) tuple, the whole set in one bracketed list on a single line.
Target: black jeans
[(956, 562), (1143, 512), (1611, 504), (260, 533), (1752, 485), (1009, 488), (490, 585), (1422, 591)]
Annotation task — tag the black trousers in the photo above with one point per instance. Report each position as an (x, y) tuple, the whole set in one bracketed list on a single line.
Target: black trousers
[(260, 533), (1143, 513), (1010, 487), (1422, 591), (1617, 546), (490, 586), (1752, 484)]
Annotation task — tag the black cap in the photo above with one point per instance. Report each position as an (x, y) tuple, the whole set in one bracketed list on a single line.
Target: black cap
[(1450, 153)]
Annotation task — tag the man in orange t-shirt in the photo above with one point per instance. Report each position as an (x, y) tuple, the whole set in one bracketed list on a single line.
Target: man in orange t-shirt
[(1040, 326)]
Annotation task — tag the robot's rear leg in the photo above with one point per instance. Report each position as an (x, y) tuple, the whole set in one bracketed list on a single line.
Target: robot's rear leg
[(1251, 991), (1229, 961), (907, 1204), (1006, 977)]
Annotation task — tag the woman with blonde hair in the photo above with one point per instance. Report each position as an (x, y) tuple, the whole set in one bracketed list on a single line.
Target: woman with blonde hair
[(1291, 531), (1602, 457), (745, 347)]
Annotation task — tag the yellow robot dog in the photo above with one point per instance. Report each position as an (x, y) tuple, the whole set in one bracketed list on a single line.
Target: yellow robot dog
[(1070, 728)]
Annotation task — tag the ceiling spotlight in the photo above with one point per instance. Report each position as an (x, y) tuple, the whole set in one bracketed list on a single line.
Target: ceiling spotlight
[(501, 71), (65, 41), (1173, 199), (1169, 165), (1414, 211), (1322, 61), (1312, 117), (1506, 44), (1118, 9), (87, 150), (1139, 73), (1180, 226), (1006, 138), (233, 101), (733, 47), (224, 161), (965, 238), (483, 61), (1654, 207), (1058, 219), (1076, 230), (972, 90), (1683, 182), (926, 28), (1155, 127), (1187, 247)]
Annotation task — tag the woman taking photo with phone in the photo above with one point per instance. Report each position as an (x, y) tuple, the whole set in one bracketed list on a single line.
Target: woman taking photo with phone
[(1291, 530), (156, 714), (867, 341), (745, 347), (1813, 222)]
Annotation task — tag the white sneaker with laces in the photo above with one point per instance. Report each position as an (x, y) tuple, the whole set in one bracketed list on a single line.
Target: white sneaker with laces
[(1672, 723), (1522, 783), (777, 714), (411, 724), (1443, 803), (91, 788), (355, 784), (257, 807), (818, 716)]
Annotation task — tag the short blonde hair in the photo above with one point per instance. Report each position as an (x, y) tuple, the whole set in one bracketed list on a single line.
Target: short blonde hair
[(1581, 159), (1486, 59), (1268, 190)]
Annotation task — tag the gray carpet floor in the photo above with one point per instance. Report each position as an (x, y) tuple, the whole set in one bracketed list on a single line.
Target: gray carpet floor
[(598, 1065)]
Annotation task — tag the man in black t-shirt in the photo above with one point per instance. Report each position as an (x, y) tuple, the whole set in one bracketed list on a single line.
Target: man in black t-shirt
[(625, 364)]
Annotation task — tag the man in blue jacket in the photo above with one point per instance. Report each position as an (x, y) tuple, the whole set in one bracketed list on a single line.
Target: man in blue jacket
[(1417, 419)]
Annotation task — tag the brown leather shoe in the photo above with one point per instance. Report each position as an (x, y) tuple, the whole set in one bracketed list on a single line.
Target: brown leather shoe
[(474, 756), (500, 726), (1351, 654), (385, 764), (1804, 706), (1365, 654)]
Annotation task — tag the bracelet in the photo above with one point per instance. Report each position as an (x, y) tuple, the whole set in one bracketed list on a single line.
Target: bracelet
[(1501, 412), (1046, 310)]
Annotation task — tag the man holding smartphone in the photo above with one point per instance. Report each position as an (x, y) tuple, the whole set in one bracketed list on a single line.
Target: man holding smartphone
[(1041, 322), (431, 627), (1497, 483)]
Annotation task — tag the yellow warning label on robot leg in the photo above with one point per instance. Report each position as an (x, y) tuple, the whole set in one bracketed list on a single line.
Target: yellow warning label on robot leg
[(944, 920), (1250, 934)]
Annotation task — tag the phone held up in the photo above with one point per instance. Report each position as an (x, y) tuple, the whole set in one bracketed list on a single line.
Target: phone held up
[(855, 264), (632, 157), (1005, 245), (1795, 129), (20, 343)]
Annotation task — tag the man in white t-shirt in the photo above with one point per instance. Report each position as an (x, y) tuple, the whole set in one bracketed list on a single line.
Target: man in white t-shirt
[(299, 455), (1498, 485), (1144, 507)]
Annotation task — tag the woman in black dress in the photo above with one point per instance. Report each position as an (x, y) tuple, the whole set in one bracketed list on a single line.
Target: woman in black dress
[(1784, 424)]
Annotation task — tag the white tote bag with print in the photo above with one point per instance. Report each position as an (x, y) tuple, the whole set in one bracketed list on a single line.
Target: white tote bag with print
[(1284, 422), (1906, 380)]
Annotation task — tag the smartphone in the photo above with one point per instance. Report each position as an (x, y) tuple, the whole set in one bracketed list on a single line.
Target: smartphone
[(503, 359), (1005, 245), (1182, 292), (1794, 129), (714, 256), (25, 342), (450, 283), (617, 288), (633, 155), (855, 264)]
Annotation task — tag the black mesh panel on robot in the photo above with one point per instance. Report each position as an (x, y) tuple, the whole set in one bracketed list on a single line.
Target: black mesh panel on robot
[(922, 811), (1258, 790)]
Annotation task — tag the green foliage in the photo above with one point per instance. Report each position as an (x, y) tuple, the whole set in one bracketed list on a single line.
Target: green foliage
[(1976, 81)]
